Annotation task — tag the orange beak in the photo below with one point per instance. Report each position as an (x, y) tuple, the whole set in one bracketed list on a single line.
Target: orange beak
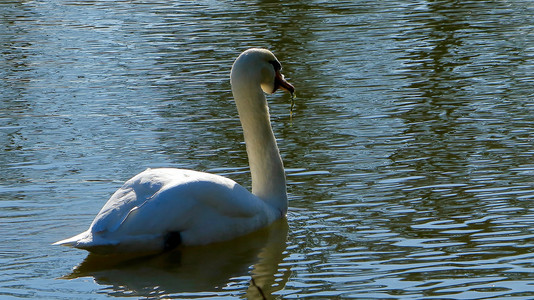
[(281, 83)]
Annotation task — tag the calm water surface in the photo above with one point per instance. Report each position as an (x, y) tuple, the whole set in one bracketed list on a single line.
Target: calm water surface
[(410, 154)]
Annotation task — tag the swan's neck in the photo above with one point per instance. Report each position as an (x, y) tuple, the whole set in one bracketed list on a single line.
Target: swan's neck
[(266, 167)]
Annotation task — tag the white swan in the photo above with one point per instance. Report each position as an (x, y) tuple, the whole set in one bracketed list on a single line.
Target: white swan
[(160, 209)]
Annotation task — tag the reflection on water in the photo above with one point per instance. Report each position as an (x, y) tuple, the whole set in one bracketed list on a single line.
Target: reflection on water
[(220, 269), (409, 155)]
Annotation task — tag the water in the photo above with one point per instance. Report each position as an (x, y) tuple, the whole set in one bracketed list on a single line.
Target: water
[(409, 155)]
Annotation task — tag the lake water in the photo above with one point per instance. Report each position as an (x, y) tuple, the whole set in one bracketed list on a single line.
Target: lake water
[(409, 156)]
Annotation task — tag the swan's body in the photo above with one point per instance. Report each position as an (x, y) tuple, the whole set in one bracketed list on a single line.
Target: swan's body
[(160, 209)]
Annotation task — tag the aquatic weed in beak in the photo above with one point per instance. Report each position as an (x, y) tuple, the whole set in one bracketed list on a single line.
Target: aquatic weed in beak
[(293, 96)]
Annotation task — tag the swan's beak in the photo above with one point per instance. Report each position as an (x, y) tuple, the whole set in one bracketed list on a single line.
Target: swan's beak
[(281, 83)]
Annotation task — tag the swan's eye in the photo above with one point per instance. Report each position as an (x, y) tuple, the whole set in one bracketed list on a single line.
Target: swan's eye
[(277, 66)]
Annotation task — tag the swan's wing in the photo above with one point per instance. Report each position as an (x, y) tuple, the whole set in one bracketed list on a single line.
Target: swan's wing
[(133, 194), (165, 199), (178, 207), (226, 197)]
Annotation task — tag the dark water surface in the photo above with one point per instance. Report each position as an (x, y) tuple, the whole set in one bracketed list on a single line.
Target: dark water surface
[(410, 154)]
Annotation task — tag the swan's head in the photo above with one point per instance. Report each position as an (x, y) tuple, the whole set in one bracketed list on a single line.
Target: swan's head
[(260, 66)]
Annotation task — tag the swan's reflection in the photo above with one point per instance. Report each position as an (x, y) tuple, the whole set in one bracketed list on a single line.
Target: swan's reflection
[(252, 260)]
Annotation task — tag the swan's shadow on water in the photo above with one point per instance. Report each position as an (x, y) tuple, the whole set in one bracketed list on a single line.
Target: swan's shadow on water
[(248, 263)]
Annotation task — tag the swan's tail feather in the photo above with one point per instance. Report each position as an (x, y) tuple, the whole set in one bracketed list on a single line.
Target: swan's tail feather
[(97, 244), (76, 240), (86, 241)]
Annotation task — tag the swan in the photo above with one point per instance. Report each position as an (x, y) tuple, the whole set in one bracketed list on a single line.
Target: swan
[(161, 209)]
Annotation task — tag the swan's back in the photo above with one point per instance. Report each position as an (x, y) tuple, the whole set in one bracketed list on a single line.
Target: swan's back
[(194, 207)]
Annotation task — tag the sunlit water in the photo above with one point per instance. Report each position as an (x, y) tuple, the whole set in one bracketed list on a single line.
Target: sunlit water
[(409, 156)]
